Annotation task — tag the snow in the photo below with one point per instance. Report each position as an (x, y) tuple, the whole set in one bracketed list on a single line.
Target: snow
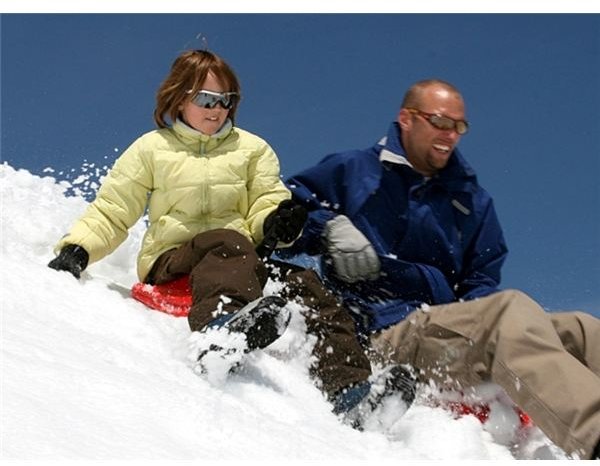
[(90, 374)]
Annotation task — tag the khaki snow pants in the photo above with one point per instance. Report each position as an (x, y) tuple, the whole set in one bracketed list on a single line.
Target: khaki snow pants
[(548, 363), (223, 262)]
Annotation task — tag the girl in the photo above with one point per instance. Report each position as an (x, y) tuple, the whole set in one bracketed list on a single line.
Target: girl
[(212, 190)]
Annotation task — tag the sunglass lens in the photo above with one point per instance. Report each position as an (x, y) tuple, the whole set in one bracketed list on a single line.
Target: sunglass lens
[(441, 122), (226, 102), (206, 100)]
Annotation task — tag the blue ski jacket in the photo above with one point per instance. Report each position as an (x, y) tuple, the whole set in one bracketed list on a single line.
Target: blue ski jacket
[(438, 239)]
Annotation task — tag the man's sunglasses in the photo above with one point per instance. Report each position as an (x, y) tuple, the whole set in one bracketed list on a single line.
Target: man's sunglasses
[(442, 122), (210, 99)]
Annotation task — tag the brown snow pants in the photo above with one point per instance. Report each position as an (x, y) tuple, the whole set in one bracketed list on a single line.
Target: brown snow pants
[(548, 363), (223, 263)]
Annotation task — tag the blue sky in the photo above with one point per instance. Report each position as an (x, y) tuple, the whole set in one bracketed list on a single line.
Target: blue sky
[(82, 86)]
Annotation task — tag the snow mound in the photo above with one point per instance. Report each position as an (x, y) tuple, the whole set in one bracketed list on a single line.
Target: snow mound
[(89, 373)]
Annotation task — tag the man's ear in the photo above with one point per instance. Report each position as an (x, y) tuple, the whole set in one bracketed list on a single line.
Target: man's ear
[(404, 119)]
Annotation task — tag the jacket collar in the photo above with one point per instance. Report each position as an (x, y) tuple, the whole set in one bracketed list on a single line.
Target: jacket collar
[(456, 173), (193, 136)]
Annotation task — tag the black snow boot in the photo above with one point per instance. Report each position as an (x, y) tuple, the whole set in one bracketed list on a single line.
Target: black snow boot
[(359, 403), (262, 322)]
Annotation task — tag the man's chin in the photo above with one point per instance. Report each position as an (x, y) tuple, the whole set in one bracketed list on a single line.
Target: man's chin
[(438, 162)]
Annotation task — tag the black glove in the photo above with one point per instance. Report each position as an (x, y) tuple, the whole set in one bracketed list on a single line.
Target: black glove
[(286, 222), (72, 258)]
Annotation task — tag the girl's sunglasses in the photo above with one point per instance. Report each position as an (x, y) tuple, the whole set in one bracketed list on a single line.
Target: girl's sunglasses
[(210, 99)]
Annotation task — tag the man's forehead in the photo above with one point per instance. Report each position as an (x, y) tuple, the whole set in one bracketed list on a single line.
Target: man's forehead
[(440, 92), (441, 96)]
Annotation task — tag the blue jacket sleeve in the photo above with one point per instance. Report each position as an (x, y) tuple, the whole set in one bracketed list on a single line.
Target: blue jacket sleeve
[(414, 281), (483, 258), (339, 184), (320, 190)]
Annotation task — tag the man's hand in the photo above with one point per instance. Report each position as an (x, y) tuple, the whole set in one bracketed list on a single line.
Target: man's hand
[(354, 257), (72, 259), (286, 222)]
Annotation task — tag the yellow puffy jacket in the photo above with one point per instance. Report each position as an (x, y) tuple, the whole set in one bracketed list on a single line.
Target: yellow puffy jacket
[(190, 182)]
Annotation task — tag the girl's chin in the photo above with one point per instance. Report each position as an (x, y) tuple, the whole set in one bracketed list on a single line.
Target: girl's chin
[(210, 127)]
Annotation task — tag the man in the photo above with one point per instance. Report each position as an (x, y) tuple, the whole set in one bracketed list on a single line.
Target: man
[(405, 223)]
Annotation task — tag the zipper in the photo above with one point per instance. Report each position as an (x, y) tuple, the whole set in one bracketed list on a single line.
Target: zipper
[(204, 174)]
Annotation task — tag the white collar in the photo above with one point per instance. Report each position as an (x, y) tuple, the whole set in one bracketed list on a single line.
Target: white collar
[(388, 156), (187, 130)]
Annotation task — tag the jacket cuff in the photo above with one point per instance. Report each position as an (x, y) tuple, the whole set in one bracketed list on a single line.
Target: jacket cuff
[(440, 289), (315, 226), (311, 240)]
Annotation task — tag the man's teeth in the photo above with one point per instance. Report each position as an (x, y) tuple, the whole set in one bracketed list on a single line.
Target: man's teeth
[(441, 147)]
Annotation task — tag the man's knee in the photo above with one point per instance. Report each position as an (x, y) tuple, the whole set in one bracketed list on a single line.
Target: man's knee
[(515, 301), (514, 316), (512, 295), (586, 320)]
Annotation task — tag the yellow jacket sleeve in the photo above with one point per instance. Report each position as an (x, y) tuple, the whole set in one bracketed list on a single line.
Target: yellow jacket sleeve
[(119, 204), (265, 190)]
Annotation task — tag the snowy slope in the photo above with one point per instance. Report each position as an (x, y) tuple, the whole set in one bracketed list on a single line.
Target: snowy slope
[(89, 373)]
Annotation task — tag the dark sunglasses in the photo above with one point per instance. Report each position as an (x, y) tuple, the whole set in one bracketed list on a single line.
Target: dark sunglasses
[(210, 99), (442, 122)]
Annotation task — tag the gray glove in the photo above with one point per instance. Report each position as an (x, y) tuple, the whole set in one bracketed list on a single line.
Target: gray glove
[(354, 257)]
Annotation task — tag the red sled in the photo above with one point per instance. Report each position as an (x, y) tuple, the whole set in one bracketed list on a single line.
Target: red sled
[(482, 412), (174, 298)]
